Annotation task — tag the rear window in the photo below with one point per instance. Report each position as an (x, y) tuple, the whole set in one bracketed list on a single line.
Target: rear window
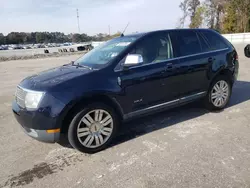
[(189, 43), (216, 42)]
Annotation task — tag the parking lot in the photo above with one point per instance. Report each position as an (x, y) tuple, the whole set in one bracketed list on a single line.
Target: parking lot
[(184, 147)]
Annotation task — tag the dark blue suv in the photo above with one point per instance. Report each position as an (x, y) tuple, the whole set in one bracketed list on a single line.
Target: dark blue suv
[(126, 77)]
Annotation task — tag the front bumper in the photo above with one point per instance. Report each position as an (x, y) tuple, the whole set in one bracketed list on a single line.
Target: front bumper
[(40, 135), (40, 124)]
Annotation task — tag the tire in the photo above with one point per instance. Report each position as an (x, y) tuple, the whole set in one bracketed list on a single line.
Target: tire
[(210, 99), (83, 130)]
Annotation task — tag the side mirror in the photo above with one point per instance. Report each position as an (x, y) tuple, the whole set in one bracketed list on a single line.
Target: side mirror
[(247, 51), (132, 60)]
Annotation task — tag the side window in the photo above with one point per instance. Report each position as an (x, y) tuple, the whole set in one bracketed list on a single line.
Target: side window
[(188, 43), (204, 44), (155, 48), (215, 41)]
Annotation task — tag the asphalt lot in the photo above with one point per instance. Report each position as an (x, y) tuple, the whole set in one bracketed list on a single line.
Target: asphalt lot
[(185, 147)]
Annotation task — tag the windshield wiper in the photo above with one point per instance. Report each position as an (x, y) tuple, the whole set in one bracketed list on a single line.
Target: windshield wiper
[(78, 65)]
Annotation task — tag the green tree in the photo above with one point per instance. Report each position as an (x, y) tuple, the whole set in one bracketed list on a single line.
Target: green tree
[(237, 16), (32, 38), (2, 39), (14, 38), (76, 37), (24, 37), (40, 37), (51, 37), (209, 15), (243, 7), (184, 8), (230, 20), (85, 38), (197, 20), (214, 12), (192, 8), (223, 15)]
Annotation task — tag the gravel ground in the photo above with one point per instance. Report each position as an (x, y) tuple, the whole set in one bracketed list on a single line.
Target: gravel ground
[(184, 147)]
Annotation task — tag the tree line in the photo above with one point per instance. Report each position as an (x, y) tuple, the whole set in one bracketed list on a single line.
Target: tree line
[(225, 16), (51, 37)]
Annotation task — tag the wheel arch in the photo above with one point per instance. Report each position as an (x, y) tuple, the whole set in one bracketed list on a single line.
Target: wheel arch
[(223, 72), (76, 106)]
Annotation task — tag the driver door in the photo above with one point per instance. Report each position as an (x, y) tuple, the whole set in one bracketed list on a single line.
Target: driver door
[(144, 86)]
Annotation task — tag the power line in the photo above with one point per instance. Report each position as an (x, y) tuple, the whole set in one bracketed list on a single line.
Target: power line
[(77, 15)]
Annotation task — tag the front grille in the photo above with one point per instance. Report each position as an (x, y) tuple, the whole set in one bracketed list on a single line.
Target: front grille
[(20, 97)]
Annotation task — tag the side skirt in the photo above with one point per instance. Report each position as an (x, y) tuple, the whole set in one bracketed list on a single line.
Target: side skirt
[(165, 106)]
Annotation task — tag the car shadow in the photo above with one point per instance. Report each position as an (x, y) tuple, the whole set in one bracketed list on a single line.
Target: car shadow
[(144, 125), (147, 124)]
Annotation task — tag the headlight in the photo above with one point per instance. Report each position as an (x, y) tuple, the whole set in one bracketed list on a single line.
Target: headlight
[(32, 99)]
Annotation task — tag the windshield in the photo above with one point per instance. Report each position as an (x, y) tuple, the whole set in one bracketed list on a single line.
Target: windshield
[(101, 55)]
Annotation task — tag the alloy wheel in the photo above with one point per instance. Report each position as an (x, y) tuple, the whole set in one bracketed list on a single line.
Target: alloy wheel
[(95, 128), (220, 93)]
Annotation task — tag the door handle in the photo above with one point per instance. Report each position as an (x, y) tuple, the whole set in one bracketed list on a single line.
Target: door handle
[(169, 66), (210, 60)]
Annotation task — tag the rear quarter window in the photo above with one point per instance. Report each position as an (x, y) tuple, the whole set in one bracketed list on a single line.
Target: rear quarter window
[(188, 43), (204, 44), (215, 40)]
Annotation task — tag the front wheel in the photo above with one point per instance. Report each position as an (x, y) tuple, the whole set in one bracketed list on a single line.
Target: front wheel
[(93, 128), (219, 93)]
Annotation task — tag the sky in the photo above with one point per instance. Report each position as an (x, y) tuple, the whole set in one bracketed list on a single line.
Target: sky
[(95, 15)]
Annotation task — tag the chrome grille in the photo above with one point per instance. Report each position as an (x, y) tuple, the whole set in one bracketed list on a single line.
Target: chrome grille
[(20, 97)]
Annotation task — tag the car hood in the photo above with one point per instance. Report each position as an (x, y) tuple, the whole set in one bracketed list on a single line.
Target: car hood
[(53, 77)]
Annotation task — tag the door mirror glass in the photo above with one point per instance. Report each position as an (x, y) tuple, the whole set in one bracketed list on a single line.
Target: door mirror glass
[(247, 51), (133, 60)]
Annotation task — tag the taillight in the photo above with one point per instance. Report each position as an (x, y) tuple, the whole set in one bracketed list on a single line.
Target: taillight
[(236, 57)]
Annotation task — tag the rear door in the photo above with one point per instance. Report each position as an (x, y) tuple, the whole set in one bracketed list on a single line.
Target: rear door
[(194, 62), (221, 51)]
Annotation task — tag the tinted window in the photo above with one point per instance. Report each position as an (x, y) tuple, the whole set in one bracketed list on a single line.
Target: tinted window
[(188, 43), (215, 41), (154, 48), (204, 44)]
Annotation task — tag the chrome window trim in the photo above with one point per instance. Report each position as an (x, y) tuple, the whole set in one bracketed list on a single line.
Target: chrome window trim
[(224, 49), (176, 58)]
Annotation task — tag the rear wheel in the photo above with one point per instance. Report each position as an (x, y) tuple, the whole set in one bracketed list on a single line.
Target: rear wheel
[(219, 93), (93, 128)]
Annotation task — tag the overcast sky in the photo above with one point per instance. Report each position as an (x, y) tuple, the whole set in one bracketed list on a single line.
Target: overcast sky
[(95, 15)]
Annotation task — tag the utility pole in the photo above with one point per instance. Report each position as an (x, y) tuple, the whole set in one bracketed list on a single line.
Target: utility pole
[(77, 15), (109, 30)]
